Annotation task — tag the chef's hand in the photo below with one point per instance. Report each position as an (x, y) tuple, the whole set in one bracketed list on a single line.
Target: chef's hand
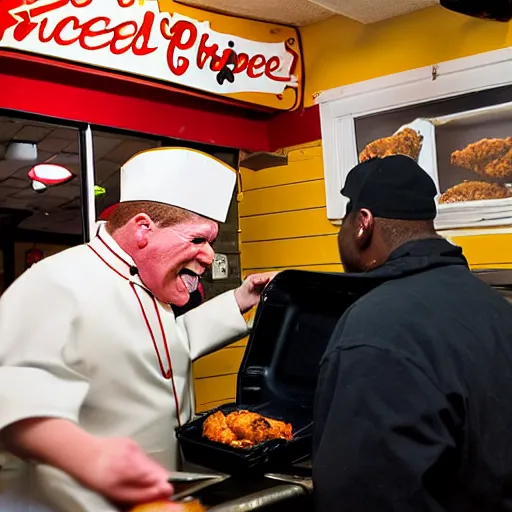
[(248, 294), (123, 473)]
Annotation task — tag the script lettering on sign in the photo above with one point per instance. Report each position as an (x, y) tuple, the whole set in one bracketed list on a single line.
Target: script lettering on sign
[(125, 36)]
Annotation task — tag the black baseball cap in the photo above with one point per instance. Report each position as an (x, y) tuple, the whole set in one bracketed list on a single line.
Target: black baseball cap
[(394, 187)]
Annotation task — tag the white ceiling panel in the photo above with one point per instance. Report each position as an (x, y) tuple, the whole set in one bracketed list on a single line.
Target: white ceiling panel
[(65, 133), (7, 169), (290, 12), (53, 144), (104, 145), (306, 12), (8, 129), (124, 151), (371, 11), (32, 133)]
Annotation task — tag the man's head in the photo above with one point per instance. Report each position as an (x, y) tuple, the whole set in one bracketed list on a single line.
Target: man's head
[(171, 201), (391, 202), (171, 247)]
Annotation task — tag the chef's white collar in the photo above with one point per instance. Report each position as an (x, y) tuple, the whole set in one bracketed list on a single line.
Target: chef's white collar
[(109, 251)]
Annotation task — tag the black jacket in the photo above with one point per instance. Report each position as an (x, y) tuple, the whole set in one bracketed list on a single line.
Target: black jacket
[(413, 409)]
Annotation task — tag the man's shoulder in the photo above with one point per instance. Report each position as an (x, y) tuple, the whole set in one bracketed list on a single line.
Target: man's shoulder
[(383, 316), (384, 302)]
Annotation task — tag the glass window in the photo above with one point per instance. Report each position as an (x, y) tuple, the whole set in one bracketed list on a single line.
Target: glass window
[(451, 135), (111, 151), (40, 191)]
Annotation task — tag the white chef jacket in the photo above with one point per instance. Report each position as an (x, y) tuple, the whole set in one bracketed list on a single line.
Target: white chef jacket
[(74, 344)]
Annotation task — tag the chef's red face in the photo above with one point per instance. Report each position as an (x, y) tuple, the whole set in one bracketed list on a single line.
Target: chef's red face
[(170, 260)]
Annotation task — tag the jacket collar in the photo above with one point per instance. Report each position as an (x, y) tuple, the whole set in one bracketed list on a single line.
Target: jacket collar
[(111, 254), (419, 256)]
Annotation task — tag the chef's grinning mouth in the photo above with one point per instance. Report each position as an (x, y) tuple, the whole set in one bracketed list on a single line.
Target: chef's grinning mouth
[(190, 279), (187, 271)]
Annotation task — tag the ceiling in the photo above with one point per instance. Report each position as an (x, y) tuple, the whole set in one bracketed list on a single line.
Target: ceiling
[(305, 12), (58, 209)]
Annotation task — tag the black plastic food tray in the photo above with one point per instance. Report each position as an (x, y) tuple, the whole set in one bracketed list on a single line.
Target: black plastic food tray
[(271, 455)]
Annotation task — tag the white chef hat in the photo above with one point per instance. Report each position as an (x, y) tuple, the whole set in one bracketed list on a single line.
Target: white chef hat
[(181, 177)]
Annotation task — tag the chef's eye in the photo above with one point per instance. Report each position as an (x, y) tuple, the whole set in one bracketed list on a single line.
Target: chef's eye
[(198, 241)]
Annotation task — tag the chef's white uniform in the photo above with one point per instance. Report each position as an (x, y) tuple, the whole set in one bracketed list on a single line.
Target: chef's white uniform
[(74, 344)]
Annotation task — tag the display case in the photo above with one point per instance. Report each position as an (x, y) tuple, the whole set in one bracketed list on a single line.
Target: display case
[(468, 154), (452, 117)]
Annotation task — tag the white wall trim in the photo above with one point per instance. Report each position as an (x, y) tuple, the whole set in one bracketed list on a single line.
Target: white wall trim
[(340, 106)]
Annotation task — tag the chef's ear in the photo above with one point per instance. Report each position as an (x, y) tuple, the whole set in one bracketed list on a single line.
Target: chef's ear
[(143, 226)]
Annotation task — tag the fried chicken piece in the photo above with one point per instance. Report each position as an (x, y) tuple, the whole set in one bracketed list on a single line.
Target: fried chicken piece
[(407, 142), (242, 443), (482, 156), (243, 429), (501, 167), (256, 428), (249, 425), (474, 191), (170, 506), (280, 429), (215, 428)]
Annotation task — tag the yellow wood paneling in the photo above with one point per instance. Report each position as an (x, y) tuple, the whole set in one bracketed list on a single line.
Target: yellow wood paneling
[(494, 265), (286, 225), (295, 172), (298, 196), (294, 252), (335, 267), (486, 250), (215, 389), (306, 152), (241, 343), (222, 362)]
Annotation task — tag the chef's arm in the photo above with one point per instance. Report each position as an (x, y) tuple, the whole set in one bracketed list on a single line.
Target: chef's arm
[(213, 325), (219, 321), (53, 441), (39, 365), (382, 428)]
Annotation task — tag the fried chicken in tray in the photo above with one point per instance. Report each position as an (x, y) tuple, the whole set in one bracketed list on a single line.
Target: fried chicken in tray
[(243, 429), (487, 157), (406, 142), (474, 191)]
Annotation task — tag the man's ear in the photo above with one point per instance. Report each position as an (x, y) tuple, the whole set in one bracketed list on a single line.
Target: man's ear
[(364, 228), (143, 227)]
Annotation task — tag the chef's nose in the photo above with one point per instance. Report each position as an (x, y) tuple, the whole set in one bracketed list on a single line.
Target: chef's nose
[(207, 255)]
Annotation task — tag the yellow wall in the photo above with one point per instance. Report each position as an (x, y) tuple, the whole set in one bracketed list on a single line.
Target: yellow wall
[(283, 220), (215, 376), (339, 51)]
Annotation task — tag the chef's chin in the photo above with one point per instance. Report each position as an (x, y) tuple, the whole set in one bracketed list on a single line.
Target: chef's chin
[(177, 297)]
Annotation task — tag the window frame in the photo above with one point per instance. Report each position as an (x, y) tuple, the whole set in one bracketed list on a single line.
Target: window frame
[(341, 106)]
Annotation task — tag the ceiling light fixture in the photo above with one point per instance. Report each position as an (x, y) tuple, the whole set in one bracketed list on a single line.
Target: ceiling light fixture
[(39, 187), (24, 151), (50, 174)]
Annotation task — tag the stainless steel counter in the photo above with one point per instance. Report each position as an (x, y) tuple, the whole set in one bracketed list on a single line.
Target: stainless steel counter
[(268, 493)]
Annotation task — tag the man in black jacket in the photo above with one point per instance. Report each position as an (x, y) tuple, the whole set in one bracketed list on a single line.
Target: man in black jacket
[(414, 402)]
